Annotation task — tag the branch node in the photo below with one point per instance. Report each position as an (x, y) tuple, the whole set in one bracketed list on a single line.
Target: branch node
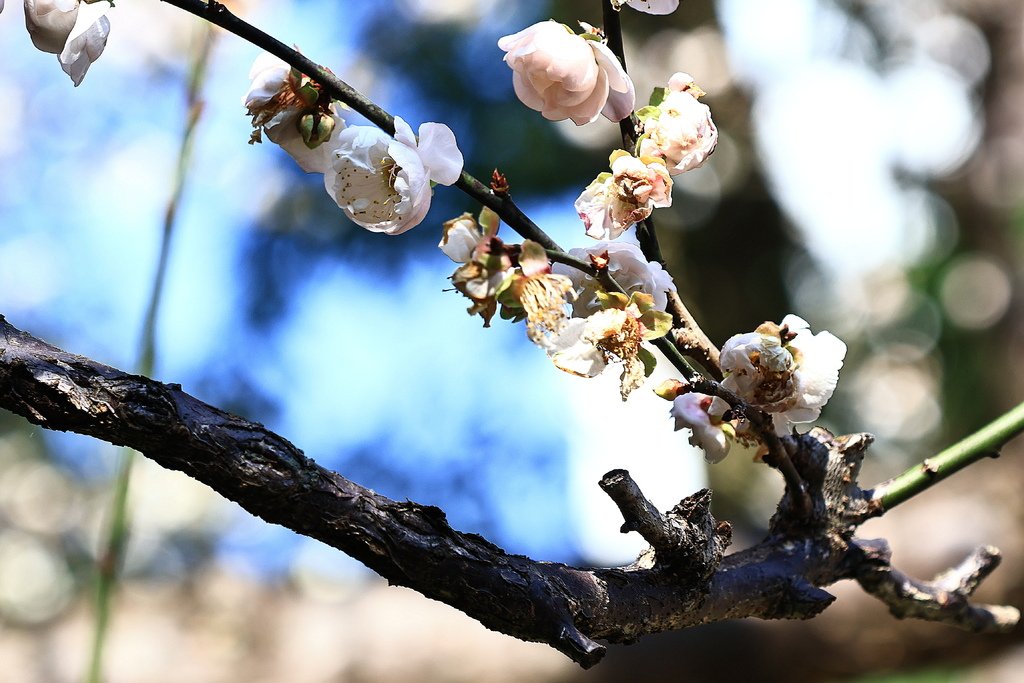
[(687, 540), (580, 648)]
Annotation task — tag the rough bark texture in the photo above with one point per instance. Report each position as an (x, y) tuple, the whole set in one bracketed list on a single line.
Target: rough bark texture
[(683, 581)]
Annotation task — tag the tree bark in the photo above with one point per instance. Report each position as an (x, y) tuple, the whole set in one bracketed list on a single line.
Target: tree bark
[(685, 579)]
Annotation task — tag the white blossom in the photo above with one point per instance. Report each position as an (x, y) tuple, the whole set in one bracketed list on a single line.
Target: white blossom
[(690, 411), (84, 49), (627, 265), (49, 23), (566, 76), (288, 108), (784, 370), (614, 202), (383, 183), (680, 129), (460, 238)]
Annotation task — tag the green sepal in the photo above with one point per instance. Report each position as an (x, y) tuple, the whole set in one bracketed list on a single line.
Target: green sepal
[(308, 93), (642, 300), (657, 96), (648, 112), (648, 359), (656, 324), (612, 300), (489, 221), (617, 154)]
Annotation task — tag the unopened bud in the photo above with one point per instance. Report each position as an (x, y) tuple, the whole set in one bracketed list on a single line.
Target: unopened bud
[(671, 389)]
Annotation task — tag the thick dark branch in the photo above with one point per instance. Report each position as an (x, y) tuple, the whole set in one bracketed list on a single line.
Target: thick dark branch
[(944, 599), (413, 545)]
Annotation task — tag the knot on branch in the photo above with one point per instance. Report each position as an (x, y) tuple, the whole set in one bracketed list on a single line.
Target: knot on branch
[(686, 541), (944, 599), (829, 466)]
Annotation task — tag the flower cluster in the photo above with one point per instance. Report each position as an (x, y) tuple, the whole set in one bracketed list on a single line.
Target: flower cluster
[(783, 370), (56, 26), (382, 183)]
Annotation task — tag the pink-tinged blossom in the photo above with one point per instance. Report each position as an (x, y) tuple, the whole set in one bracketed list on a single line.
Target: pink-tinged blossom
[(679, 130), (690, 411), (84, 49), (383, 183), (784, 370), (649, 6), (627, 265), (567, 76), (289, 108), (615, 201), (49, 23)]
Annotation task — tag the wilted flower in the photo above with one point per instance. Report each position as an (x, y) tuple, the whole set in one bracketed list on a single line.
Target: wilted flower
[(615, 201), (627, 265), (690, 411), (586, 346), (784, 370), (383, 183), (485, 260), (292, 110), (679, 129), (537, 294), (649, 6), (84, 49), (567, 76), (49, 23)]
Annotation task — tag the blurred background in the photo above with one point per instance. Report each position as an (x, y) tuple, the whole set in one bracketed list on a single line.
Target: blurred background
[(869, 177)]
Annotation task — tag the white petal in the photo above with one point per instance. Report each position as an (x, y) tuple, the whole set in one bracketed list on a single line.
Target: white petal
[(654, 6), (440, 153), (49, 23), (84, 49), (403, 133)]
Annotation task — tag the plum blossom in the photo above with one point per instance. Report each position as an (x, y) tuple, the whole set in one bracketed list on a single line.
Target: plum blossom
[(586, 346), (485, 261), (679, 129), (294, 113), (784, 370), (49, 23), (567, 76), (649, 6), (690, 411), (383, 183), (627, 265), (615, 201)]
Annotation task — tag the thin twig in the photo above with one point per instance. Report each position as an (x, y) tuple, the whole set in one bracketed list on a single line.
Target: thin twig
[(984, 443)]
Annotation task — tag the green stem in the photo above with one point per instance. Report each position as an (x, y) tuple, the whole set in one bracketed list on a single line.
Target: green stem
[(111, 558), (984, 443)]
